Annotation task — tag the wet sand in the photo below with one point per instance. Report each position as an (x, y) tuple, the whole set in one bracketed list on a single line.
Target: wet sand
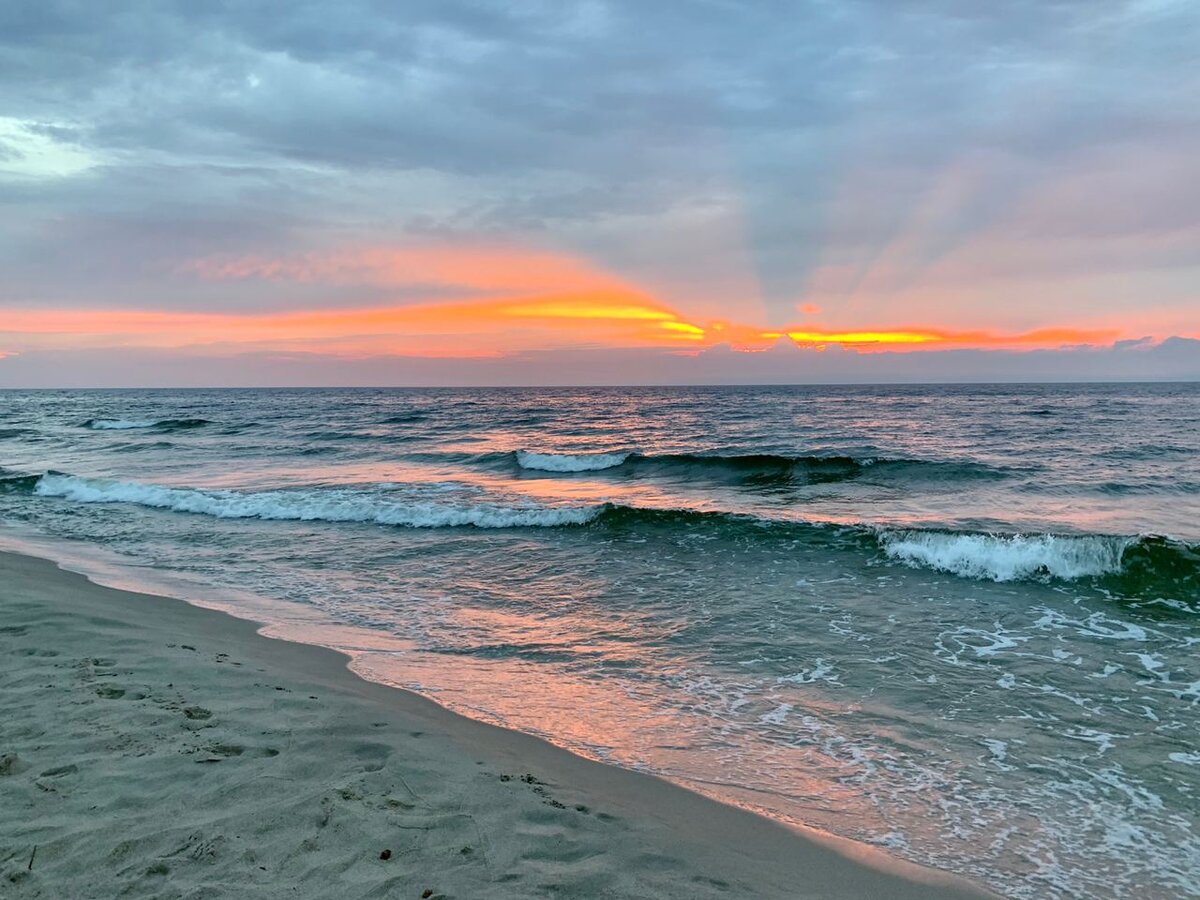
[(150, 748)]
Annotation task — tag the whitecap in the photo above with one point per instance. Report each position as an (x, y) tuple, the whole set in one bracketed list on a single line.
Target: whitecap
[(118, 424), (568, 462), (310, 505), (1005, 557)]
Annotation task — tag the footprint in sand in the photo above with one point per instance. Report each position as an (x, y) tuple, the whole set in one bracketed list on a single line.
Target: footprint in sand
[(115, 693), (372, 755), (197, 712), (54, 780), (60, 771), (217, 752)]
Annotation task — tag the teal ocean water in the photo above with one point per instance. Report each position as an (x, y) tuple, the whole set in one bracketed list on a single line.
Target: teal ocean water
[(959, 623)]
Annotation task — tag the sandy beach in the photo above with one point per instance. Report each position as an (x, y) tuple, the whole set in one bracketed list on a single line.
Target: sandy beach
[(150, 748)]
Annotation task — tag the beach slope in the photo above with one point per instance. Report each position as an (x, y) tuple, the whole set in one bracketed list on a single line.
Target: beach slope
[(149, 748)]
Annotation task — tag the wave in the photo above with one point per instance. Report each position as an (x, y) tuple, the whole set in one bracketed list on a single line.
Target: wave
[(17, 482), (14, 432), (117, 424), (750, 468), (140, 447), (566, 462), (1143, 567), (130, 424), (1146, 567), (307, 505), (1007, 557), (1160, 568)]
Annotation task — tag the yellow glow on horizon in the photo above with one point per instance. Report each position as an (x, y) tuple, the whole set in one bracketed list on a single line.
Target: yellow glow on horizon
[(685, 327), (588, 310), (862, 337)]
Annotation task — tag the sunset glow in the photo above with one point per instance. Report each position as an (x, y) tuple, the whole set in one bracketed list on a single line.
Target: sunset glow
[(565, 302), (479, 327)]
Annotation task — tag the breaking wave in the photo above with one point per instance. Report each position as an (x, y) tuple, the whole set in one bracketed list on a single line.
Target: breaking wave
[(1147, 567), (307, 505), (1007, 557), (1144, 567), (567, 462)]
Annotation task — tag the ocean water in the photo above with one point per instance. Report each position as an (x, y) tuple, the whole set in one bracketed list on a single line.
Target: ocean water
[(958, 623)]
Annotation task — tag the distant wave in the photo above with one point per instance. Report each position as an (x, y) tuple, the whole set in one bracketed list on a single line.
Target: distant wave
[(568, 462), (750, 468), (117, 424), (137, 447), (405, 418), (14, 432), (129, 424), (307, 505)]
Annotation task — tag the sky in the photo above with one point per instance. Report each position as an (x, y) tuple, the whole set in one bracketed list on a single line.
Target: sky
[(448, 192)]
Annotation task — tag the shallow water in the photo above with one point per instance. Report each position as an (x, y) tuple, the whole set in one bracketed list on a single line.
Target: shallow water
[(958, 622)]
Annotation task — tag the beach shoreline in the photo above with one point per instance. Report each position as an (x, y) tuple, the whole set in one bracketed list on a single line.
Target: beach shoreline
[(157, 748)]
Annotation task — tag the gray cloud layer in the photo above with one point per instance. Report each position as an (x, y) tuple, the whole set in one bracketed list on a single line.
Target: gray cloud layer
[(1176, 359), (639, 133)]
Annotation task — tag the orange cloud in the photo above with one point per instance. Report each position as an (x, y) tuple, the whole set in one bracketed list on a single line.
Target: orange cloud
[(1045, 337), (529, 301), (485, 327)]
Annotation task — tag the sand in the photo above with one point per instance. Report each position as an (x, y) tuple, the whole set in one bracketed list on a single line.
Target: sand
[(150, 748)]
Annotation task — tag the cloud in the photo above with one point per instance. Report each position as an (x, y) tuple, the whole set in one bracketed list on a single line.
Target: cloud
[(978, 168), (593, 313), (33, 150)]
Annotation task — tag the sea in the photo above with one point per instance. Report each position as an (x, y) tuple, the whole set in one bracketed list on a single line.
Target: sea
[(957, 623)]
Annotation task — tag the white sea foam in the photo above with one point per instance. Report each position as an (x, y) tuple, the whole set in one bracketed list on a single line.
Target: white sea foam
[(309, 505), (118, 424), (1006, 557), (569, 462), (820, 671)]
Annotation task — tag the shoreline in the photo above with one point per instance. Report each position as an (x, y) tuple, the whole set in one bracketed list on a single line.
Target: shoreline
[(156, 746)]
